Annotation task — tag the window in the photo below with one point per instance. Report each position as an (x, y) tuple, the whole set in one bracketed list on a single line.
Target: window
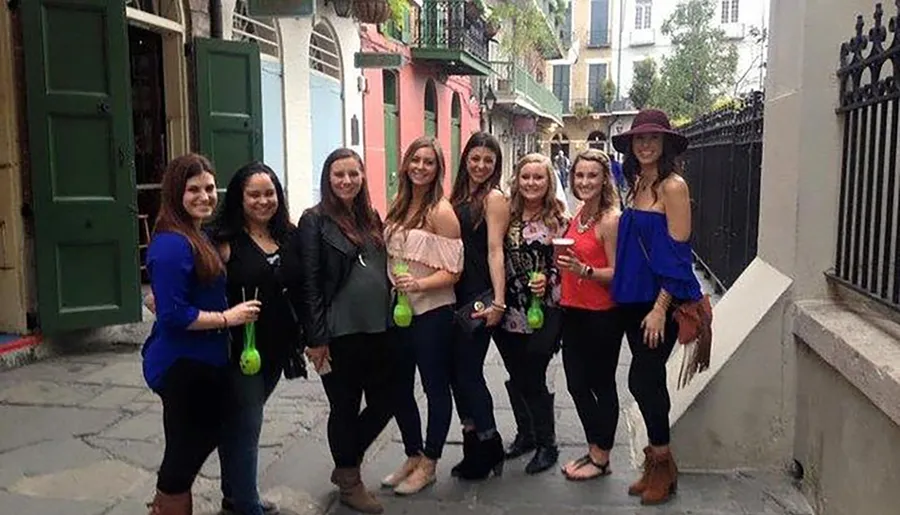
[(561, 84), (642, 14), (599, 23), (596, 85), (730, 11)]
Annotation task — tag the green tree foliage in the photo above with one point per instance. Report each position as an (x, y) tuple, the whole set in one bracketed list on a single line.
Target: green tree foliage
[(525, 32), (702, 65), (645, 81)]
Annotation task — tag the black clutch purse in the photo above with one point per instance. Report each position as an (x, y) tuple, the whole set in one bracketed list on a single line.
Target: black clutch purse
[(295, 363), (463, 314)]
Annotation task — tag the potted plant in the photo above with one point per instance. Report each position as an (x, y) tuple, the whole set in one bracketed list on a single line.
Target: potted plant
[(371, 11)]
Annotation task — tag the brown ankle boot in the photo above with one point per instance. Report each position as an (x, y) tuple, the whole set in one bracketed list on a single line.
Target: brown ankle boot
[(663, 479), (167, 504), (353, 491), (638, 487)]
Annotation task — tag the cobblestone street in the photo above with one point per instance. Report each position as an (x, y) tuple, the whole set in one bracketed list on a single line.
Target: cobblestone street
[(81, 435)]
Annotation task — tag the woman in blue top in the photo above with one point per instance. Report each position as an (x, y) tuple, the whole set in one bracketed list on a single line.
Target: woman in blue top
[(186, 354), (653, 274)]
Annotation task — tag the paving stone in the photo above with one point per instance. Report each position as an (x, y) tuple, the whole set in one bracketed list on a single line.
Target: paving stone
[(114, 397), (142, 426), (147, 455), (16, 504), (123, 373), (47, 393), (25, 425), (99, 481), (44, 458)]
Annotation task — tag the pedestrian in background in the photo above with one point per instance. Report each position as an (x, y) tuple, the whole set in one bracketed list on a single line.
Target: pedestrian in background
[(345, 309), (537, 217), (483, 214), (185, 358), (426, 258), (592, 334)]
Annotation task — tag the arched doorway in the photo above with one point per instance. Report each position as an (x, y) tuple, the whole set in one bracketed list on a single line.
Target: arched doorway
[(455, 134), (326, 113), (597, 139), (557, 143), (391, 132), (431, 109)]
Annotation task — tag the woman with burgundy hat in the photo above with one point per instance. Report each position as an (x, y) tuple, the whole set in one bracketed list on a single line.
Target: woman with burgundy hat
[(653, 275)]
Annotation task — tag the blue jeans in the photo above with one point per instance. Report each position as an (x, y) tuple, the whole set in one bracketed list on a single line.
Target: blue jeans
[(239, 450), (474, 403), (426, 343)]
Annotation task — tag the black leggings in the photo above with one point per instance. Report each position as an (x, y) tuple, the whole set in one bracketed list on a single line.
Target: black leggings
[(195, 397), (647, 376), (361, 364), (591, 344)]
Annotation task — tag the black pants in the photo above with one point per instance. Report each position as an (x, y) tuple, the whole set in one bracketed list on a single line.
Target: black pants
[(360, 364), (591, 344), (647, 376), (195, 397), (474, 403)]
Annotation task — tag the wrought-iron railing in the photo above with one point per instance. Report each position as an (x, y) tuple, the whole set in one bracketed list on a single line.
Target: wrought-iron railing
[(722, 168), (442, 24), (510, 78), (868, 239), (586, 105)]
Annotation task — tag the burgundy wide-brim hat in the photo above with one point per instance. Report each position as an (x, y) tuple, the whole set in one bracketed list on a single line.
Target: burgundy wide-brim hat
[(650, 121)]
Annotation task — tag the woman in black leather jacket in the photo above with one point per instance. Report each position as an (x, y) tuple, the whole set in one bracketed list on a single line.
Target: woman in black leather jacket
[(345, 310)]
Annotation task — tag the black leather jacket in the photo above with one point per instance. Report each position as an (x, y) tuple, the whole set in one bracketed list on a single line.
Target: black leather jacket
[(327, 257)]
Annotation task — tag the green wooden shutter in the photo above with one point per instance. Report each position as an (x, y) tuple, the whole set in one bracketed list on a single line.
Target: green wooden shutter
[(229, 104), (391, 149), (82, 174)]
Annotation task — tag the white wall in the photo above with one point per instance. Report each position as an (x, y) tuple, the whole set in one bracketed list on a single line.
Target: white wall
[(750, 53), (295, 36)]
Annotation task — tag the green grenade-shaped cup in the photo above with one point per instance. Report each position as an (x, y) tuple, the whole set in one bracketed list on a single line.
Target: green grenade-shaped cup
[(535, 314), (250, 359), (402, 310)]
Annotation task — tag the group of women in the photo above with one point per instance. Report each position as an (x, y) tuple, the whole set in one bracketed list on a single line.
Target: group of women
[(464, 269)]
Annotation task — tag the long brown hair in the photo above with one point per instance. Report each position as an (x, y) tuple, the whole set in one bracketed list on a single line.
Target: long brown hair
[(173, 217), (359, 223), (399, 210), (461, 193), (552, 210), (609, 194)]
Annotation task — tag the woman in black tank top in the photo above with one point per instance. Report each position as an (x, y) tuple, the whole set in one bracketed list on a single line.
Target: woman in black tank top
[(483, 213), (251, 231)]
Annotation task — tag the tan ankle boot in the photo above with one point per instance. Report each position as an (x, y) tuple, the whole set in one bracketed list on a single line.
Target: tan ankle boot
[(167, 504), (402, 473), (662, 482), (638, 487), (353, 492), (421, 477)]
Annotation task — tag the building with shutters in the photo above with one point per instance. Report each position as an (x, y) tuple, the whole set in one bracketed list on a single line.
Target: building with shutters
[(91, 118), (418, 81)]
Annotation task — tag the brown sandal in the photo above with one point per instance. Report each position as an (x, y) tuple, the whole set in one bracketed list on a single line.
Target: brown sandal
[(602, 470)]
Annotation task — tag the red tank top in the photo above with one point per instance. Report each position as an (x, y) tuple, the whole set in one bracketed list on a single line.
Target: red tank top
[(577, 291)]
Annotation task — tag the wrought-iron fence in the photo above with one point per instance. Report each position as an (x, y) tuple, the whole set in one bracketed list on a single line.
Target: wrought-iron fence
[(868, 239), (722, 167)]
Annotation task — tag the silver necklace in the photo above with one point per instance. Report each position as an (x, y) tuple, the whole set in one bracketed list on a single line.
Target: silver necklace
[(584, 226)]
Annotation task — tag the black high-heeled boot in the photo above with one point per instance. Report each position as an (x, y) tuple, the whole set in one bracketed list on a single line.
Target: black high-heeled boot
[(488, 456), (547, 453), (470, 441), (524, 441)]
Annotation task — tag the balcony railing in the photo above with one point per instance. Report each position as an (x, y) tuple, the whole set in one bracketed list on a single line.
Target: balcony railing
[(511, 79), (586, 106), (442, 24)]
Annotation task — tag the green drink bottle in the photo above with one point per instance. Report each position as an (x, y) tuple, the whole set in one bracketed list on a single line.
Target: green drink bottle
[(402, 310), (535, 314), (250, 358)]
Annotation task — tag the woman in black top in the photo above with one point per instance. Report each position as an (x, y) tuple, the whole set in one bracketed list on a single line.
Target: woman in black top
[(346, 312), (250, 231), (483, 213)]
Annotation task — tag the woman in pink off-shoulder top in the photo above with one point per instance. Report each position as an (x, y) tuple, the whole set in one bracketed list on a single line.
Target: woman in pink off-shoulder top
[(423, 236)]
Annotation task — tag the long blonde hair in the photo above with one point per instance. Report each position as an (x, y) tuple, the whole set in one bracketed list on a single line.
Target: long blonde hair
[(552, 210), (609, 194), (401, 204)]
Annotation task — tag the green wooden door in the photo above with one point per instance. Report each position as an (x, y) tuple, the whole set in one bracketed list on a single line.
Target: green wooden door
[(82, 174), (430, 124), (455, 134), (391, 149), (229, 104)]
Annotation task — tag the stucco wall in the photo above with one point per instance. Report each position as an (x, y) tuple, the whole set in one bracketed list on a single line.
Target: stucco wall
[(411, 83)]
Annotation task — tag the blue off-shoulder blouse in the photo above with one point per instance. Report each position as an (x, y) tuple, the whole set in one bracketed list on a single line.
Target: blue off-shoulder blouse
[(666, 264)]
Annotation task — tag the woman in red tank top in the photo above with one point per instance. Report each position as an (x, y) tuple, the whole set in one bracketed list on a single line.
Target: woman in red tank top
[(592, 336)]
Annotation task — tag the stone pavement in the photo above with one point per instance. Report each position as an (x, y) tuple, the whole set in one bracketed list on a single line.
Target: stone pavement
[(81, 434)]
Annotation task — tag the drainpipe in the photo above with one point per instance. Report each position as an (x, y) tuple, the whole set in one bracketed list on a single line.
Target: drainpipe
[(619, 65), (215, 19)]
